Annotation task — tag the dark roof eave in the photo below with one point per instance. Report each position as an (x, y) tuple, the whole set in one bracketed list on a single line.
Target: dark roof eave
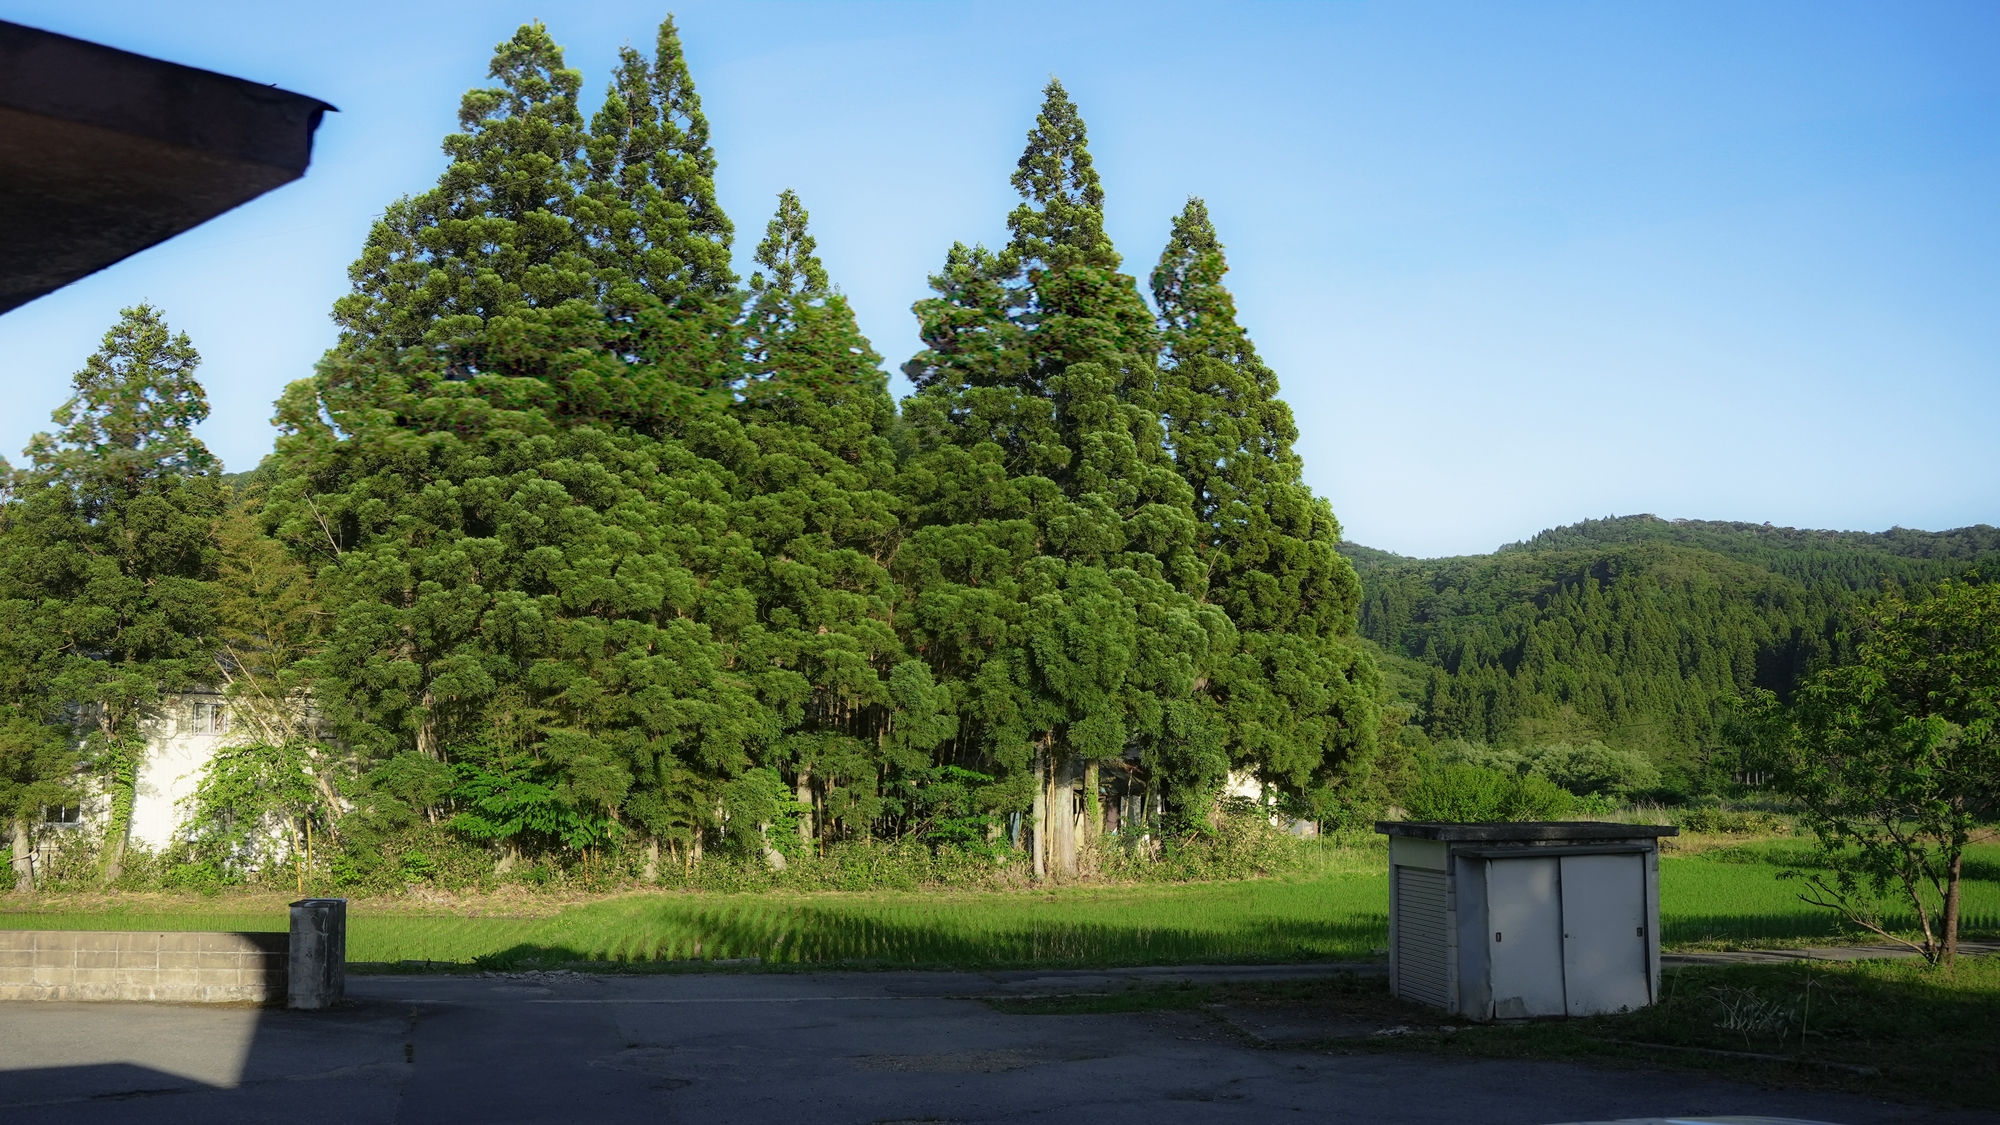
[(1531, 831), (104, 153)]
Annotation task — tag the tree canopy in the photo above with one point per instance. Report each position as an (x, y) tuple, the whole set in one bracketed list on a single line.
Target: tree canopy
[(575, 540), (108, 561)]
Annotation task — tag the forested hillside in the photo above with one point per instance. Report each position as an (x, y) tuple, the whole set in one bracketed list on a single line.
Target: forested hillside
[(1634, 631)]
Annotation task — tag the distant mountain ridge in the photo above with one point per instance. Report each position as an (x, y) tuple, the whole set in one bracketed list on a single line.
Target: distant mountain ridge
[(1901, 554), (1634, 630)]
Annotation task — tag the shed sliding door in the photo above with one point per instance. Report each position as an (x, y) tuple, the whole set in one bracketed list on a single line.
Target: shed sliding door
[(1605, 967), (1567, 935), (1525, 942)]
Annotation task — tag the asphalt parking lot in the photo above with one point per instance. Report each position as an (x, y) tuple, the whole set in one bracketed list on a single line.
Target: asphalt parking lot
[(796, 1048)]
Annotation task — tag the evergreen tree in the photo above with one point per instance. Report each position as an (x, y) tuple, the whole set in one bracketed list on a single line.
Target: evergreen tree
[(660, 240), (472, 303), (1050, 562), (516, 517), (1298, 695), (816, 501), (107, 591), (653, 177)]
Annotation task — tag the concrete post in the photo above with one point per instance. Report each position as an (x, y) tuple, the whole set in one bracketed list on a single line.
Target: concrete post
[(319, 953)]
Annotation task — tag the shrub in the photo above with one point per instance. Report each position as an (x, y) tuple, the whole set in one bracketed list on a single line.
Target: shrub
[(1594, 768), (1720, 821), (1459, 793), (1587, 768)]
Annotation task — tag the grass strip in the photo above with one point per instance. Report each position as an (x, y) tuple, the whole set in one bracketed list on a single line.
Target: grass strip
[(1720, 897)]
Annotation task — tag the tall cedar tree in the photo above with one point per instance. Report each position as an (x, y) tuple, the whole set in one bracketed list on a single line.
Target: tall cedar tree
[(816, 501), (536, 589), (660, 240), (1299, 695), (1050, 563), (110, 558)]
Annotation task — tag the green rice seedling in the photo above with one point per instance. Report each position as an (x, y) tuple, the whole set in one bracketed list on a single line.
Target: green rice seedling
[(1338, 911)]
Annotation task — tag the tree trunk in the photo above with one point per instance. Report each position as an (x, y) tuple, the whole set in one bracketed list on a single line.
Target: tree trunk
[(805, 799), (328, 798), (652, 872), (1062, 817), (1951, 907), (1093, 809), (427, 739), (24, 858), (773, 858), (1038, 818)]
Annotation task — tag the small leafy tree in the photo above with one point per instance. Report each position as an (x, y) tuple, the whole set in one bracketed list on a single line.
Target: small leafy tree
[(1895, 762)]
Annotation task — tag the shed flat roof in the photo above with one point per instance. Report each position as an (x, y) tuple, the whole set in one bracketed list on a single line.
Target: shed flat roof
[(1528, 831), (104, 153)]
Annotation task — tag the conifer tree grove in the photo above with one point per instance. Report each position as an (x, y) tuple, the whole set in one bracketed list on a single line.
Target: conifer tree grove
[(536, 587), (1049, 560), (574, 542)]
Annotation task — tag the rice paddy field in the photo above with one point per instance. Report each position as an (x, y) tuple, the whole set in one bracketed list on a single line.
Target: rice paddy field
[(1723, 896)]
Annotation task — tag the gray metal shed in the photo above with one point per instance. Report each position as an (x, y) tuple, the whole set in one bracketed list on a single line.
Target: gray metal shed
[(1506, 921)]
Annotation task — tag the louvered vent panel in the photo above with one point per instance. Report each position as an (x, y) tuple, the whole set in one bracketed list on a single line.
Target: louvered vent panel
[(1420, 952)]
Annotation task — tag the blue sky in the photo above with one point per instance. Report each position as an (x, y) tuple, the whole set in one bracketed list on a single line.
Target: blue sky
[(1515, 264)]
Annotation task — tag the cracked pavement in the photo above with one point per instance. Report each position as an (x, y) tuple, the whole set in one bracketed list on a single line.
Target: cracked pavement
[(876, 1047)]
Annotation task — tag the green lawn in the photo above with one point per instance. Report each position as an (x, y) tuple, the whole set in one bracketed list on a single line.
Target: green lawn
[(1733, 896), (1720, 896)]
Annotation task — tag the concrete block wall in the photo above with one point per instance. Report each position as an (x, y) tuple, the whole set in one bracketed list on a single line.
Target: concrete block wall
[(174, 967)]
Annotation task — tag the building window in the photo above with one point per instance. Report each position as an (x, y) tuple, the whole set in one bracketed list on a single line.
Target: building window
[(211, 718), (62, 815)]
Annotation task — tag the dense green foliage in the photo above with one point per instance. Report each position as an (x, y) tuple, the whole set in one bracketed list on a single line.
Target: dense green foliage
[(575, 544), (1461, 793), (1858, 560), (1637, 632)]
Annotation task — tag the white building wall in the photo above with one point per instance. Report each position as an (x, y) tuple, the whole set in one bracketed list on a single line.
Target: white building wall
[(1243, 783), (179, 744)]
